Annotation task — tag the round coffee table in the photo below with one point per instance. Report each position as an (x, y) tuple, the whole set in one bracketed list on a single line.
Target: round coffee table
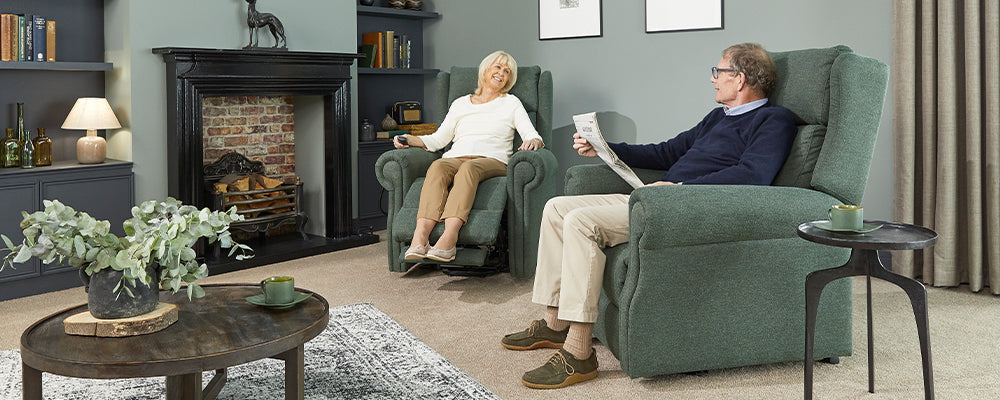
[(217, 331), (864, 261)]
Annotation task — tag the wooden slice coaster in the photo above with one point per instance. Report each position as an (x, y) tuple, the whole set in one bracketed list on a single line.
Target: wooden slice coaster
[(84, 324)]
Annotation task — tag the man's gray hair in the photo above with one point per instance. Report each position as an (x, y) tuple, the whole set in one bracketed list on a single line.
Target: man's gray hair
[(755, 63)]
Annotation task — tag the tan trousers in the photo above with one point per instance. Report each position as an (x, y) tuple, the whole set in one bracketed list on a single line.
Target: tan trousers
[(463, 175), (570, 267)]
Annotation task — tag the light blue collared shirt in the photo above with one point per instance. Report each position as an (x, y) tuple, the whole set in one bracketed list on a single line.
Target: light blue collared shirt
[(744, 108)]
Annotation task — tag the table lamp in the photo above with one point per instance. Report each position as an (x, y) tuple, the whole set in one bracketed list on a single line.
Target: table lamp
[(91, 113)]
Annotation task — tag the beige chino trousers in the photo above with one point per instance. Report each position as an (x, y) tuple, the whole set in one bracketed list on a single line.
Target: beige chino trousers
[(462, 175), (570, 268)]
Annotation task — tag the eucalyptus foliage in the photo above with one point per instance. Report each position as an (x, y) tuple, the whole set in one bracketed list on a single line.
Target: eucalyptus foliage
[(161, 232)]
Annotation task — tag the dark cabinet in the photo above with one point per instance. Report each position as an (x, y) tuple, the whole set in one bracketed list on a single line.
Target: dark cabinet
[(105, 191), (373, 201)]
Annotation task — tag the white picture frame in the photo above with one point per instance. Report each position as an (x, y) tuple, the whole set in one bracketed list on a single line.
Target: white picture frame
[(564, 19), (683, 15)]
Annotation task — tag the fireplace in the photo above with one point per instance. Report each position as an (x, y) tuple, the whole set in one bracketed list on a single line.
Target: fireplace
[(194, 74)]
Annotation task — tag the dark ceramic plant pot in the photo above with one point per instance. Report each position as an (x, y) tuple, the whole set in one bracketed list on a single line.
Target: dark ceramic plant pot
[(101, 299), (367, 2)]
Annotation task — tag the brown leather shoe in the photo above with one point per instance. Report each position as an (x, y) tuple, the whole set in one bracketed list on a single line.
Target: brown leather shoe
[(538, 335), (561, 370)]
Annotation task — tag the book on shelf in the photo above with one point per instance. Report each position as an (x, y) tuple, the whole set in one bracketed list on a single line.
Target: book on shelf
[(29, 36), (5, 36), (50, 40), (388, 58), (375, 39), (390, 134), (395, 52), (419, 129), (20, 39), (38, 38), (369, 60)]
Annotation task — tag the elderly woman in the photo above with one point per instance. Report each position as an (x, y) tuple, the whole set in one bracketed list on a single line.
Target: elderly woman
[(480, 127)]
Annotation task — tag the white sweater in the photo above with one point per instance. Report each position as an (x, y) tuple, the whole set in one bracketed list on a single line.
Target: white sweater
[(482, 129)]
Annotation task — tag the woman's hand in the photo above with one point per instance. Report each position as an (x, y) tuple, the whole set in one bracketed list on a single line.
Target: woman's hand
[(533, 144), (411, 140), (582, 146)]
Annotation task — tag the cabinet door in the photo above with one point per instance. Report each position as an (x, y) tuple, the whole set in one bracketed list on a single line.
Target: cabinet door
[(108, 198), (373, 202), (17, 198)]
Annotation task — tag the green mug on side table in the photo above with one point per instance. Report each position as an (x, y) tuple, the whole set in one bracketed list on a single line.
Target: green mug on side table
[(845, 216)]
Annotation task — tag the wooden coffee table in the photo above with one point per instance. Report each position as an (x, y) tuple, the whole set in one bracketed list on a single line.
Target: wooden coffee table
[(217, 331)]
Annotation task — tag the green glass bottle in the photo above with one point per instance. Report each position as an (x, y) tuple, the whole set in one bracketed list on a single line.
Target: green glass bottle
[(43, 149), (27, 147), (11, 150)]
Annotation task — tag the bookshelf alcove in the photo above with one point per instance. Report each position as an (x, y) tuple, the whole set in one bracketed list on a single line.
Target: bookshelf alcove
[(48, 91), (378, 89)]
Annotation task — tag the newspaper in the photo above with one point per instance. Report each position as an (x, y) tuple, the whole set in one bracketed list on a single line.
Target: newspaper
[(586, 125)]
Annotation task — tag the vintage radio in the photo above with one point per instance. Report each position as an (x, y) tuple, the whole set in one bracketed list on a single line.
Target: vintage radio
[(407, 112)]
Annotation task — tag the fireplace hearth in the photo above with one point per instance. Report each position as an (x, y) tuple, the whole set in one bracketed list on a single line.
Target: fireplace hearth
[(193, 74)]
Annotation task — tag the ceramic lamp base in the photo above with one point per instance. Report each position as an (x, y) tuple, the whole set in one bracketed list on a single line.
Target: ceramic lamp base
[(91, 149)]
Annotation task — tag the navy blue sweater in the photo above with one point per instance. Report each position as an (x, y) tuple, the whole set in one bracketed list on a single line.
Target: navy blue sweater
[(745, 149)]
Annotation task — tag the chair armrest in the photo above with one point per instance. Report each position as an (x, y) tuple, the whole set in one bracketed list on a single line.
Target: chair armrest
[(686, 215), (397, 169), (531, 182), (600, 179), (528, 170)]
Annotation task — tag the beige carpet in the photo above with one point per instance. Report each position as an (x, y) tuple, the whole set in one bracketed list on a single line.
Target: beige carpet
[(464, 318)]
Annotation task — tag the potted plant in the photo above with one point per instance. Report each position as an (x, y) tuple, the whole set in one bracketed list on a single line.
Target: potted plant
[(157, 244)]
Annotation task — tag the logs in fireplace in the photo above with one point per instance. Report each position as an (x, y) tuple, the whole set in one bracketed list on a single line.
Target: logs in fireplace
[(235, 181)]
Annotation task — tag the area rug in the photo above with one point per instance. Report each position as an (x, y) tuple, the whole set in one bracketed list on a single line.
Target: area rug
[(362, 354)]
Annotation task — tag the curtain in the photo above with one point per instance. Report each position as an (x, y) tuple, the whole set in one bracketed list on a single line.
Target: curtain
[(946, 86)]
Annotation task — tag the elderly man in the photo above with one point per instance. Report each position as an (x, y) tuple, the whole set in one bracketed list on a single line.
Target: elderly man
[(743, 142)]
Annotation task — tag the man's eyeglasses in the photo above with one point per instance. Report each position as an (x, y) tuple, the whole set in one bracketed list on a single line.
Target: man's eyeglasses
[(716, 70)]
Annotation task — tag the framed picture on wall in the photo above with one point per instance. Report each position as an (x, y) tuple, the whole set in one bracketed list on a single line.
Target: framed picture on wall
[(563, 19), (683, 15)]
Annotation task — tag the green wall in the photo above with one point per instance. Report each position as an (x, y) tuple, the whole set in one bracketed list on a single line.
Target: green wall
[(650, 86)]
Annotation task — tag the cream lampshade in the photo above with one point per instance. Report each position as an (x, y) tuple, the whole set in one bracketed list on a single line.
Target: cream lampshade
[(91, 113)]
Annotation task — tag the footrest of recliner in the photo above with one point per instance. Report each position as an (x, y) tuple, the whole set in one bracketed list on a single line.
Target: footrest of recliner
[(464, 256)]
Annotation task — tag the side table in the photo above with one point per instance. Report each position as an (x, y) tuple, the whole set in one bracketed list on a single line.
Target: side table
[(864, 261)]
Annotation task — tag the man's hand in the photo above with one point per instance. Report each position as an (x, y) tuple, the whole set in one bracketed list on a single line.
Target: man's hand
[(582, 146), (533, 144), (661, 183)]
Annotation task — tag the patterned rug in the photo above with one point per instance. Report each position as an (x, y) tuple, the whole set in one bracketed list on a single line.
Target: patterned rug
[(362, 354)]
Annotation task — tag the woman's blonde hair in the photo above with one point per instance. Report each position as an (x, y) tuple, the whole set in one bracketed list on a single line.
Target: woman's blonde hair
[(502, 58)]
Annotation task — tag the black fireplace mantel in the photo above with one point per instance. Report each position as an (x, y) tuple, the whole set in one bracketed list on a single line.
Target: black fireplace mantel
[(193, 74)]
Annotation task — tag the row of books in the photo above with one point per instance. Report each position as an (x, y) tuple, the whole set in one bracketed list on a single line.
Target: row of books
[(385, 49), (27, 38)]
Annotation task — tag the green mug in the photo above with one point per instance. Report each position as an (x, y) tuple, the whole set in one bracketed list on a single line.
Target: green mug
[(278, 289), (846, 216)]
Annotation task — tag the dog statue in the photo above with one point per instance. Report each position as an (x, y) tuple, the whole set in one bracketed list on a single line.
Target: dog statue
[(257, 20)]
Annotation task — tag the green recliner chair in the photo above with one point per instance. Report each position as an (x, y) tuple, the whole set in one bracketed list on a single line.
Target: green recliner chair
[(502, 230), (714, 276)]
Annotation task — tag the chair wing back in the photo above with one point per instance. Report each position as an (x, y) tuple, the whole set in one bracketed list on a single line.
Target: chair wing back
[(837, 98), (533, 88)]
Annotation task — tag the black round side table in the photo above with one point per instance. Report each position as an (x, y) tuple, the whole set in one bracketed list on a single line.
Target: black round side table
[(864, 261)]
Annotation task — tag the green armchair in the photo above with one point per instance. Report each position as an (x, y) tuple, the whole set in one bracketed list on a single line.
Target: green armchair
[(714, 276), (502, 230)]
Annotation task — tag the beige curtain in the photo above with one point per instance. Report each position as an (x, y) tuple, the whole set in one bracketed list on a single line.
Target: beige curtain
[(946, 86)]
